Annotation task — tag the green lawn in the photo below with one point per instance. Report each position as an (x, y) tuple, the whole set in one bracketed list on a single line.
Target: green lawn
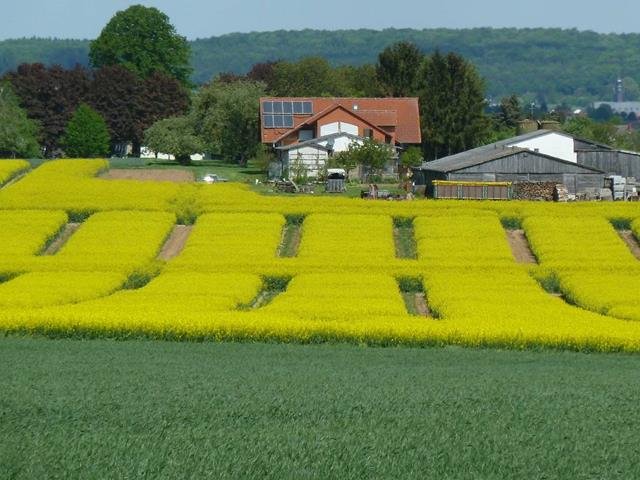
[(235, 173), (230, 171), (145, 409)]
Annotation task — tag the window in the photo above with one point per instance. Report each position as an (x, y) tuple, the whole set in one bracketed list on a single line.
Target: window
[(368, 133), (279, 113)]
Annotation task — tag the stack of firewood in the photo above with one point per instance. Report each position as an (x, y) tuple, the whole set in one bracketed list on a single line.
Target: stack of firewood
[(534, 191)]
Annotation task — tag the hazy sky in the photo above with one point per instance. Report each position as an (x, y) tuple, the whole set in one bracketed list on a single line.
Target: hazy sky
[(205, 18)]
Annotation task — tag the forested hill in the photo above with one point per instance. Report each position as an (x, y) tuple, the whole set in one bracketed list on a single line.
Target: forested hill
[(557, 64)]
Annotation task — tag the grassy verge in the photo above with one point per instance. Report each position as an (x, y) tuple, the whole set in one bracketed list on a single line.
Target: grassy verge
[(404, 238), (143, 409)]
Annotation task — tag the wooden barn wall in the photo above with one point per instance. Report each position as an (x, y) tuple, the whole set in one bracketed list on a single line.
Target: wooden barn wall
[(524, 163), (575, 182), (611, 162)]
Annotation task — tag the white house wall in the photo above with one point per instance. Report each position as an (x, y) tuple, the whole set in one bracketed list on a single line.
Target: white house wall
[(552, 144), (337, 127), (340, 143)]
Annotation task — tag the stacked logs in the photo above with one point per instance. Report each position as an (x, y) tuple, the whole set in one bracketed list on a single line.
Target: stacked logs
[(534, 191)]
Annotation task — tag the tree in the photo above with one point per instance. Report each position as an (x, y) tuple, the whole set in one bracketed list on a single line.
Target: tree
[(343, 159), (398, 69), (452, 106), (509, 113), (50, 96), (263, 158), (114, 92), (131, 105), (372, 155), (309, 77), (227, 119), (18, 134), (263, 72), (86, 135), (584, 127), (411, 157), (359, 81), (175, 136), (603, 113), (142, 40)]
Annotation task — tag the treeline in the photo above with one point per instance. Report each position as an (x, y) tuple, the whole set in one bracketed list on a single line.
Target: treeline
[(546, 65)]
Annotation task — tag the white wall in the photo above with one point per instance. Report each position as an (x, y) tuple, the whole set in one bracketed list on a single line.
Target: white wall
[(339, 144), (552, 144), (336, 127), (312, 158)]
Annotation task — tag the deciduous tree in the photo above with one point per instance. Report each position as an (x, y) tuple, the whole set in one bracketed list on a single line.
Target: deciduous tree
[(18, 134), (227, 120), (175, 136), (50, 96), (142, 40)]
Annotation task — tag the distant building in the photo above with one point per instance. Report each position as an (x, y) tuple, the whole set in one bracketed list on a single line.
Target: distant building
[(310, 130), (618, 105), (621, 107)]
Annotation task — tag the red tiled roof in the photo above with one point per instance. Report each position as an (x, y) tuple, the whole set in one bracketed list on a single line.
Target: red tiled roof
[(319, 115), (401, 113)]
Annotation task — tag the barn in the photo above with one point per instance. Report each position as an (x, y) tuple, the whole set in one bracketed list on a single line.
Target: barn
[(610, 160), (503, 163)]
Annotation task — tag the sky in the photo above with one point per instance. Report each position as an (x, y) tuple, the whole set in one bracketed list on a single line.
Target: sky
[(206, 18)]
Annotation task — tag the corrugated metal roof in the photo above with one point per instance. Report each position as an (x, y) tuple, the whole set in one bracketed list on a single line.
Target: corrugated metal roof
[(470, 158)]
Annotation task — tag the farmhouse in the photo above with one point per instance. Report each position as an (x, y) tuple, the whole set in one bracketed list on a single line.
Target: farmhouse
[(537, 156), (307, 131)]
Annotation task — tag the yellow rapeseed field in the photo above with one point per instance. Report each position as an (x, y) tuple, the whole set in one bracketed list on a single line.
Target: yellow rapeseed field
[(344, 283)]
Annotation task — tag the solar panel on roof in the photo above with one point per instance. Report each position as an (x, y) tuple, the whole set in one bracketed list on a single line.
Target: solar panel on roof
[(277, 107), (286, 107), (267, 107), (307, 107), (268, 121)]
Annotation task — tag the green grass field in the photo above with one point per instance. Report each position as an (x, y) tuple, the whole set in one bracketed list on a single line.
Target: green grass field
[(145, 409)]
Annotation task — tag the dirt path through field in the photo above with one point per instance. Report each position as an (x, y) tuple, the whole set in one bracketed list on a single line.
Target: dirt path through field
[(62, 238), (290, 242), (421, 305), (175, 242), (631, 241), (520, 247), (149, 174)]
